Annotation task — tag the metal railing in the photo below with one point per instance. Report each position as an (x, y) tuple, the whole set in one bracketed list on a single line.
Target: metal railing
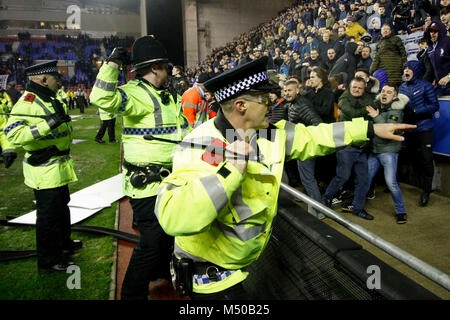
[(420, 266)]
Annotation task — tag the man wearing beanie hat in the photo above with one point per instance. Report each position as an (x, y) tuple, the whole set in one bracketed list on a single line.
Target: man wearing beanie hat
[(221, 198), (194, 102), (40, 124), (147, 108)]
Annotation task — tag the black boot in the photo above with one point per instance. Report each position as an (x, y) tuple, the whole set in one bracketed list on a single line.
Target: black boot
[(424, 198)]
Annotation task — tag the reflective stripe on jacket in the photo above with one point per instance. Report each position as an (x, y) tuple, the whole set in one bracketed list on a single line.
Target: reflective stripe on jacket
[(222, 216)]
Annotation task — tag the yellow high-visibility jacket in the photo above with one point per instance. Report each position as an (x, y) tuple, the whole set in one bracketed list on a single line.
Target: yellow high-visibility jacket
[(222, 216), (35, 134), (143, 111)]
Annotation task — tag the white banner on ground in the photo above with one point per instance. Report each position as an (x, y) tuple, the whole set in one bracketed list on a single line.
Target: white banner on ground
[(86, 202)]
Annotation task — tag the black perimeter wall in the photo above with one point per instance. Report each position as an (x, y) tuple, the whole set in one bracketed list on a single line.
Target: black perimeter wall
[(165, 21)]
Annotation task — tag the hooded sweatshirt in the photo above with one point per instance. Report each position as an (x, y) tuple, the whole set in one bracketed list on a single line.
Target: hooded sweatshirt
[(439, 52), (423, 102)]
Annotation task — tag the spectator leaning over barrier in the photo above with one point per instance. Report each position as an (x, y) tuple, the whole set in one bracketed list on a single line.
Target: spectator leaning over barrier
[(388, 108), (390, 55), (423, 103), (352, 104)]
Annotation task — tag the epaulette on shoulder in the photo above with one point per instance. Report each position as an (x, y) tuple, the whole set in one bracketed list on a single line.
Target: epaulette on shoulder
[(131, 83), (29, 97)]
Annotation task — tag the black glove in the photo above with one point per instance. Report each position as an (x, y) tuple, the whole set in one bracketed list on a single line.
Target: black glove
[(8, 158), (57, 119), (120, 56)]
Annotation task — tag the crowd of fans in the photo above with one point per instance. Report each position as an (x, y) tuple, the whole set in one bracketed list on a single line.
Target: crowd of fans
[(317, 33)]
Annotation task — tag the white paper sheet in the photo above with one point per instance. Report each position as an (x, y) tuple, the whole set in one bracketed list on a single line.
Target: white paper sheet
[(86, 202)]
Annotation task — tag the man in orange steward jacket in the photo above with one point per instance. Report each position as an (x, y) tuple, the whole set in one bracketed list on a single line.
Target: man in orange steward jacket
[(195, 104)]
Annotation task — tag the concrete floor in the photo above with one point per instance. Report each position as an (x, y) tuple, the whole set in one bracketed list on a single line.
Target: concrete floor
[(425, 235)]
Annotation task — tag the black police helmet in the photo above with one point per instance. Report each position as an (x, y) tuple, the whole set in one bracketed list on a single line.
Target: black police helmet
[(148, 50)]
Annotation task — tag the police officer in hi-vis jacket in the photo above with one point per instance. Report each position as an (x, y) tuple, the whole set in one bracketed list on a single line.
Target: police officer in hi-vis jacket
[(147, 108), (220, 205), (39, 123)]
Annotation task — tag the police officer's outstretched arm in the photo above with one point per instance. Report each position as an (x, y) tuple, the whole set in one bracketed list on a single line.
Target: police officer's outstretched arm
[(305, 142), (105, 93)]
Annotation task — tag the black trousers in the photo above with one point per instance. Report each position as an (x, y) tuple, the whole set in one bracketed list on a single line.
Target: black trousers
[(292, 173), (419, 147), (52, 225), (151, 256), (111, 126), (80, 104)]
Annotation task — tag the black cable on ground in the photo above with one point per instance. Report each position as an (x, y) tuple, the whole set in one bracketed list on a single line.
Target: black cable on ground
[(24, 254)]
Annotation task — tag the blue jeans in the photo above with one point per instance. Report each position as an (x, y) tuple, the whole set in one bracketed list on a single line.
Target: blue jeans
[(306, 170), (389, 163), (348, 159)]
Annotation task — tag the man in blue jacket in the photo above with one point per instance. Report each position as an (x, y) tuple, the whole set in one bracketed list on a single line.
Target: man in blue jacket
[(439, 54), (423, 103)]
